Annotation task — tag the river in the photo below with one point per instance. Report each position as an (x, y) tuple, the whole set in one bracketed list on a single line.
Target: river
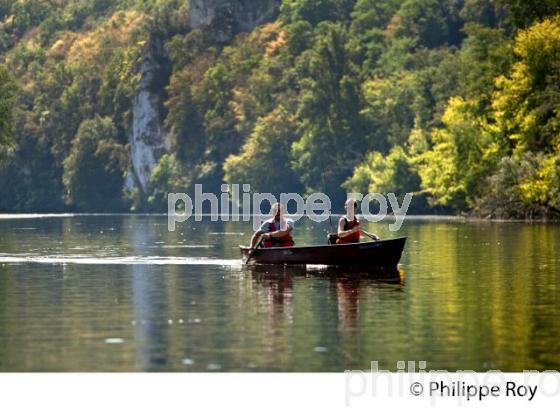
[(122, 293)]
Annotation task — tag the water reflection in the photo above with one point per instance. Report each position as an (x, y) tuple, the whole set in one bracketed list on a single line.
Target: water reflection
[(150, 307), (278, 280), (343, 288), (475, 296)]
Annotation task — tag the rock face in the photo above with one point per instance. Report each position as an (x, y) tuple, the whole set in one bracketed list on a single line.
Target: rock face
[(221, 19), (225, 18), (148, 136)]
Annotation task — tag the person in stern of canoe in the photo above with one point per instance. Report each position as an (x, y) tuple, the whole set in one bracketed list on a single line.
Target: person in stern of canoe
[(349, 230), (276, 231)]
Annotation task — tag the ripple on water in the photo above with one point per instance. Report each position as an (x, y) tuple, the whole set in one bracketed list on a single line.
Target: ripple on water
[(214, 367), (113, 260), (114, 340)]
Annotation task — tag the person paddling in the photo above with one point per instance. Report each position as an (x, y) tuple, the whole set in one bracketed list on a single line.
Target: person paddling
[(276, 231), (349, 230)]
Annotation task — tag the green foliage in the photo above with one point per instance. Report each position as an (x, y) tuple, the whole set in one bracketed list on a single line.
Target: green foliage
[(422, 20), (527, 101), (385, 173), (543, 186), (168, 176), (486, 53), (300, 37), (487, 13), (7, 98), (426, 96), (389, 108), (523, 187), (314, 11), (95, 156), (264, 160), (215, 101), (367, 29), (463, 152), (525, 12), (331, 129)]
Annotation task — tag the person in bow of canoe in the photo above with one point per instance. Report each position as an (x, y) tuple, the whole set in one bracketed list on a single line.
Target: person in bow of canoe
[(276, 231), (349, 230)]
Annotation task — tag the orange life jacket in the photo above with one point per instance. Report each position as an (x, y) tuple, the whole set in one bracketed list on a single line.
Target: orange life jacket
[(352, 238), (284, 241)]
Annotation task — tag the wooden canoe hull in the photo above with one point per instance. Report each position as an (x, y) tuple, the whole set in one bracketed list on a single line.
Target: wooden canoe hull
[(381, 253)]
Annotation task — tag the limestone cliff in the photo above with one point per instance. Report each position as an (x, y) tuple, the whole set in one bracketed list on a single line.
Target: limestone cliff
[(225, 18), (148, 136), (221, 19)]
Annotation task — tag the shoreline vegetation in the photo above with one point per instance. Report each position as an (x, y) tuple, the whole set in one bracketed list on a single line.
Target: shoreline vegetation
[(106, 106)]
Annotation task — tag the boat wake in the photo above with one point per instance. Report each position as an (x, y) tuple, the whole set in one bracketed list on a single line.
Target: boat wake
[(117, 260)]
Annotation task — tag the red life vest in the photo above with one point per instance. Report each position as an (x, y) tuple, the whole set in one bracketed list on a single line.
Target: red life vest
[(352, 238), (284, 241)]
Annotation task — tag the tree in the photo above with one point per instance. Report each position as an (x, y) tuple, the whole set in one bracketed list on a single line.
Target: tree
[(463, 152), (367, 30), (331, 131), (524, 12), (524, 186), (380, 173), (315, 11), (381, 94), (264, 160), (94, 169), (168, 176), (486, 54), (421, 20), (526, 101), (542, 188), (390, 108), (487, 13), (7, 99)]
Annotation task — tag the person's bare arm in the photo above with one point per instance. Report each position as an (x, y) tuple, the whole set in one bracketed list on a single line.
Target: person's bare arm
[(342, 233), (369, 235), (278, 234), (255, 239)]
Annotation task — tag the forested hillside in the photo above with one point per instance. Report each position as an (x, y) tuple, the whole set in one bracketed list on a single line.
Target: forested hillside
[(108, 105)]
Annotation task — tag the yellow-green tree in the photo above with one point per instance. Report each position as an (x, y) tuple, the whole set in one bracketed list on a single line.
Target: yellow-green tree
[(527, 109), (463, 153), (527, 102), (385, 173)]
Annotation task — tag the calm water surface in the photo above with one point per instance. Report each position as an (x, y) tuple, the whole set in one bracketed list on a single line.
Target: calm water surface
[(121, 293)]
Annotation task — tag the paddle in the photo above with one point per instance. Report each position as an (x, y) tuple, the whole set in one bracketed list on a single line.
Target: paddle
[(370, 236), (252, 251)]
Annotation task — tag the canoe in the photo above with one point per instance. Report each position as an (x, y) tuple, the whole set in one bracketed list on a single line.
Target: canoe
[(380, 253)]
